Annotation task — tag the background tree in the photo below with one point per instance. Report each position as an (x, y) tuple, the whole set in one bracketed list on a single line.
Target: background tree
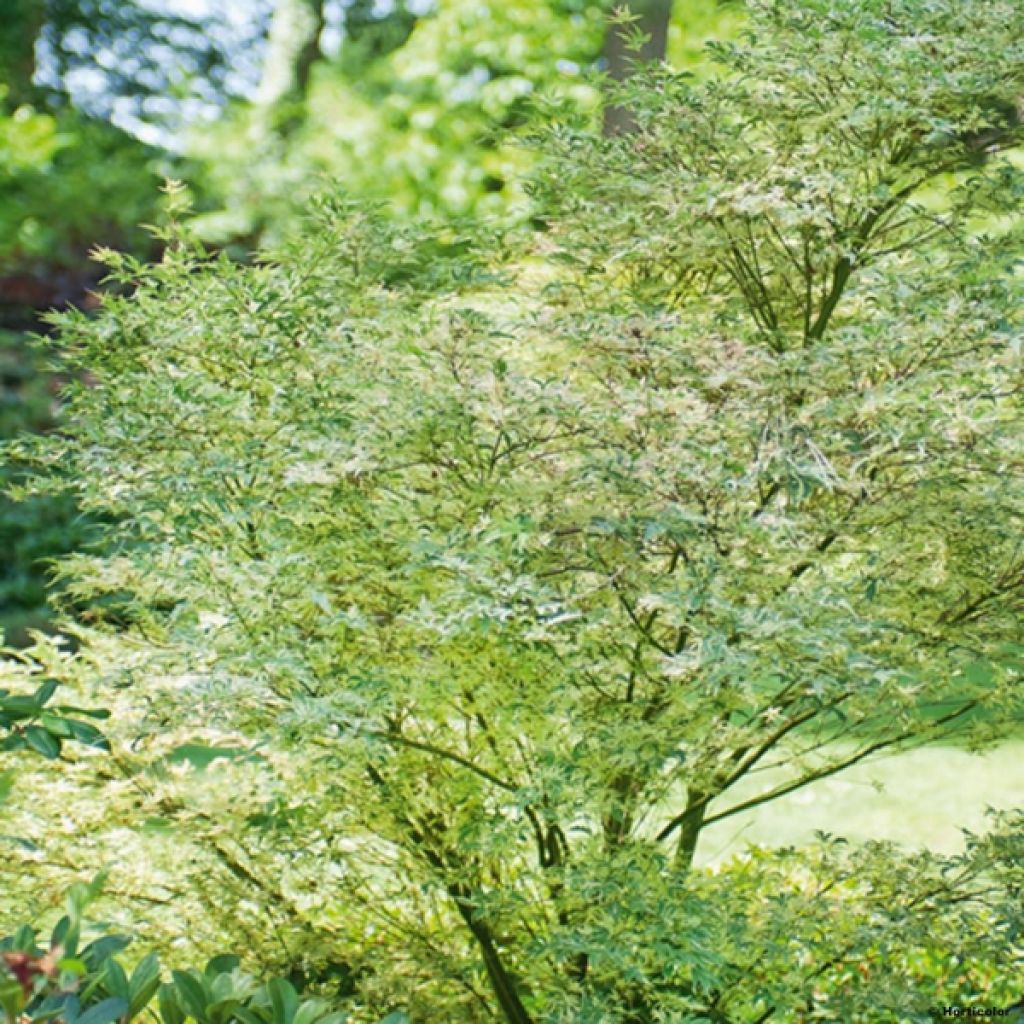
[(368, 33), (638, 37), (18, 33), (293, 47), (412, 111), (67, 182), (372, 32), (147, 67)]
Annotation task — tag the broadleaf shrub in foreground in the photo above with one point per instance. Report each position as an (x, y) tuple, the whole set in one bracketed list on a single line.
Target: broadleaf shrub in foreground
[(71, 982)]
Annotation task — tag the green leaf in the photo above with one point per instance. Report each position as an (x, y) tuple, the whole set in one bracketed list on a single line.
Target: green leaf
[(56, 1007), (42, 741), (284, 1000), (115, 980), (55, 725), (12, 999), (144, 982), (170, 1008), (191, 995), (69, 709), (88, 734), (310, 1011), (248, 1016), (45, 692), (223, 964), (18, 708), (6, 784), (105, 1012), (66, 933)]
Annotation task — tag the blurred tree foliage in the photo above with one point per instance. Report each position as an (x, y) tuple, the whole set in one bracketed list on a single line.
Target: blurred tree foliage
[(36, 530), (421, 107), (293, 47), (412, 101), (68, 181), (409, 111), (19, 29), (145, 63)]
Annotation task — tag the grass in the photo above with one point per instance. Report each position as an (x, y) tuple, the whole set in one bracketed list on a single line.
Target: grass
[(920, 798)]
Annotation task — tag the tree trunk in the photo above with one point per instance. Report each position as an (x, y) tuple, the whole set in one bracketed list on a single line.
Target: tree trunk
[(293, 47), (20, 25), (690, 829), (502, 984), (651, 17)]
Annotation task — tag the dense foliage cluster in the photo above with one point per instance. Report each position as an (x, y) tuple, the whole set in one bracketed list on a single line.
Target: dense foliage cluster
[(423, 124), (80, 982), (35, 531), (455, 585), (66, 183)]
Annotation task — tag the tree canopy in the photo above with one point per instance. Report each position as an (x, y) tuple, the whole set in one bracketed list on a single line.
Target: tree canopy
[(456, 579), (511, 561)]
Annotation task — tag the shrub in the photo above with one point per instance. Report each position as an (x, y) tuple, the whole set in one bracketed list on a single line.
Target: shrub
[(514, 571)]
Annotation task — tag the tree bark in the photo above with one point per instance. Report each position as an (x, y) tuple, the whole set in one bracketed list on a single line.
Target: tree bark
[(651, 17), (502, 984), (445, 863), (690, 829), (293, 47)]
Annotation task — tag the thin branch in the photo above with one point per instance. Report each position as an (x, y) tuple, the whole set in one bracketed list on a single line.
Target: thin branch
[(447, 755), (833, 769)]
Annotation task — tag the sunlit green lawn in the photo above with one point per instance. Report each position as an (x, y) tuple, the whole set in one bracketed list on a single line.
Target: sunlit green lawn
[(922, 798)]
